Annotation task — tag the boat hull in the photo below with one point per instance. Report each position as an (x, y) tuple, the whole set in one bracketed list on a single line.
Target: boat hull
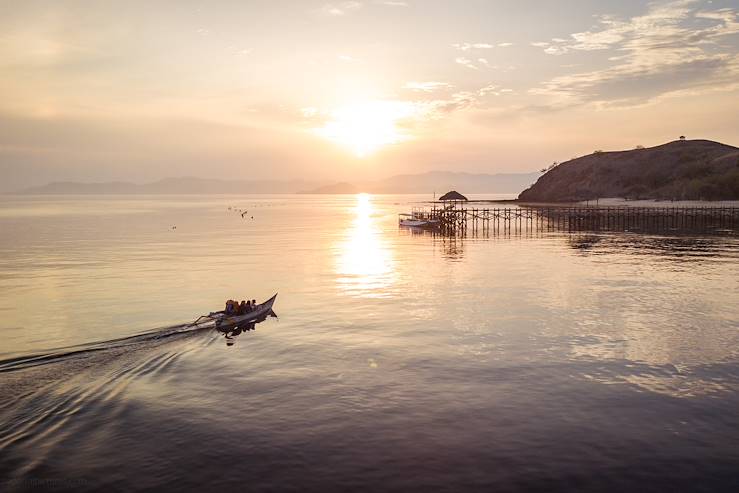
[(418, 223), (413, 223), (262, 310)]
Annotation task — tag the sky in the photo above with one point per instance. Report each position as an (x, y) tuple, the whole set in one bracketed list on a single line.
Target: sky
[(360, 89)]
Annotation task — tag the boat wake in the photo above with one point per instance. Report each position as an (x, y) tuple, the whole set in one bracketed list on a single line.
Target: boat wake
[(55, 355), (52, 396), (78, 398)]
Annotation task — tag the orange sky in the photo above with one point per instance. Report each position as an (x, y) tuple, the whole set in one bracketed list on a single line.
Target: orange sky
[(355, 89)]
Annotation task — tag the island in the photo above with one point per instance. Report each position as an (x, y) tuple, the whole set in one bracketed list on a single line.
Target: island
[(679, 170)]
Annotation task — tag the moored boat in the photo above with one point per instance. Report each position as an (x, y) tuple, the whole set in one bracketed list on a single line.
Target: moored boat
[(417, 219), (412, 222)]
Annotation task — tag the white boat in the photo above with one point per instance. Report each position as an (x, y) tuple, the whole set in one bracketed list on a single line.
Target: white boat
[(413, 223), (417, 219)]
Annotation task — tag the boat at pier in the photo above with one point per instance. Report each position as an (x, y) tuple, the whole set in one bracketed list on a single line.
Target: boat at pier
[(417, 219), (409, 221)]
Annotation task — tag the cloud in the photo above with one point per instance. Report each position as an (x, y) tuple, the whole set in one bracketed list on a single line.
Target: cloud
[(480, 62), (671, 47), (393, 3), (309, 111), (665, 25), (347, 58), (340, 8), (439, 108), (480, 46), (407, 113), (492, 89), (429, 86), (466, 62), (473, 46)]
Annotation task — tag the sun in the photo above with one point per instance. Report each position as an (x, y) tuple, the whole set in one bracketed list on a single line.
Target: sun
[(368, 126)]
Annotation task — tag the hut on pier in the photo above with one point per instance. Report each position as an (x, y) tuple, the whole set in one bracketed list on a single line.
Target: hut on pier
[(452, 199), (451, 216)]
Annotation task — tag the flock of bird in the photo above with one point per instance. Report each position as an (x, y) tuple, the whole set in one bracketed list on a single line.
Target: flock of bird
[(242, 212)]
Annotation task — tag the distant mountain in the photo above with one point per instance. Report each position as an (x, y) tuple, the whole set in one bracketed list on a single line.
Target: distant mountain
[(443, 181), (184, 185), (680, 170), (336, 188), (438, 181)]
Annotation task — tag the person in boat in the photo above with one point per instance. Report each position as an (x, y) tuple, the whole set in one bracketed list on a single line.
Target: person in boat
[(247, 307), (253, 305), (229, 307), (244, 307)]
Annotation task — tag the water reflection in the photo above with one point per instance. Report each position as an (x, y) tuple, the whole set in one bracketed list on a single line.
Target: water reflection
[(451, 247), (584, 242), (230, 333), (365, 265), (676, 248), (677, 381)]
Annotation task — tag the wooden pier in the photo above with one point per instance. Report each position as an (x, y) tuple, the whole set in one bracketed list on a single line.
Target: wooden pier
[(460, 220)]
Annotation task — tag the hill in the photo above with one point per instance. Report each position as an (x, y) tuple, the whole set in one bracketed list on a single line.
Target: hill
[(336, 188), (439, 181), (174, 186), (679, 170)]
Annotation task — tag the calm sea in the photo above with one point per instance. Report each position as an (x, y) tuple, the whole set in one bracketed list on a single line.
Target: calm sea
[(397, 362)]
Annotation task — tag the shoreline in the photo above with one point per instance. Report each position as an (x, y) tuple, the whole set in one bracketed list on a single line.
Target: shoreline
[(611, 202)]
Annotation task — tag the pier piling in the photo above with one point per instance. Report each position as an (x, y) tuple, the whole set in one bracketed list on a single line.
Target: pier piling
[(459, 220)]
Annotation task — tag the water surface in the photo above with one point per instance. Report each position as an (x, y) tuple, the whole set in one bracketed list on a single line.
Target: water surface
[(399, 361)]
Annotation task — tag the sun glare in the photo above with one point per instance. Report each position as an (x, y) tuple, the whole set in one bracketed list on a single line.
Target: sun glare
[(366, 127), (365, 265)]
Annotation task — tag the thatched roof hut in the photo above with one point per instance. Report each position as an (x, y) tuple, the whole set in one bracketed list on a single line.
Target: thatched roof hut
[(453, 195)]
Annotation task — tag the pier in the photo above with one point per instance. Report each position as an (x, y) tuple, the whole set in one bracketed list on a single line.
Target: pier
[(462, 219)]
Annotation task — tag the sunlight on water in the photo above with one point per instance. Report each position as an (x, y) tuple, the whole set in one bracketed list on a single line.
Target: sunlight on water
[(365, 265), (481, 355)]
